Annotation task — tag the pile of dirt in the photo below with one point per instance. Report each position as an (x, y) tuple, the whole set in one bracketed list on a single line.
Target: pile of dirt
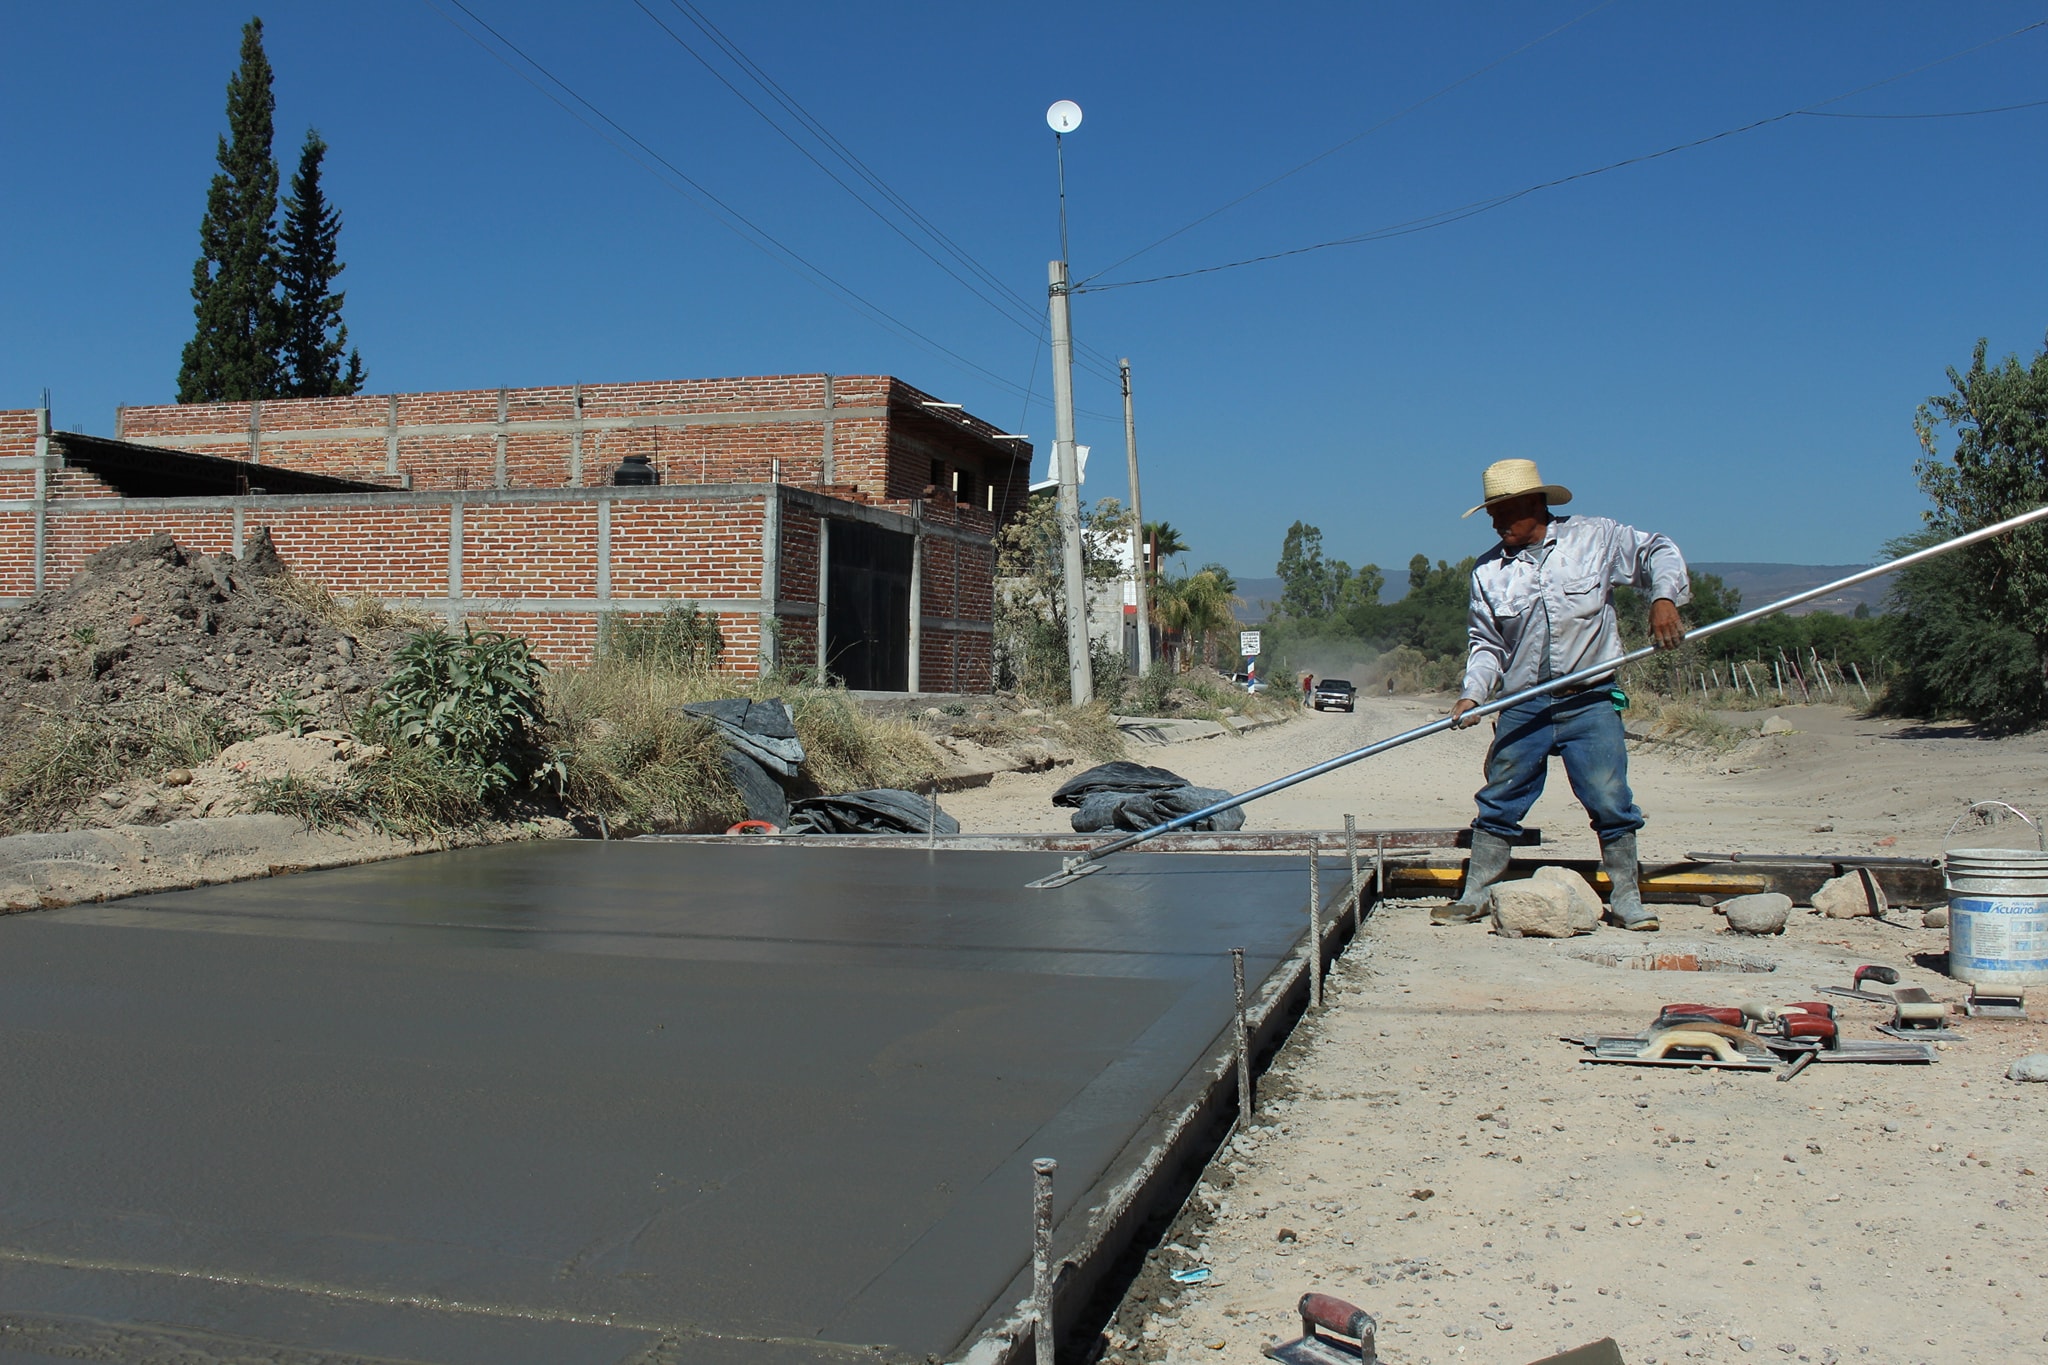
[(148, 634)]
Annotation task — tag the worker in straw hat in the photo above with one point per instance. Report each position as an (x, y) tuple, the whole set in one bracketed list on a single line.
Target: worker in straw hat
[(1542, 608)]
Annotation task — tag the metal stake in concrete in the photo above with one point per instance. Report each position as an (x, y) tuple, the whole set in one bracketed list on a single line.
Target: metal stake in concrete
[(1041, 1257), (1315, 925), (1351, 855), (1379, 866), (1245, 1105), (931, 823)]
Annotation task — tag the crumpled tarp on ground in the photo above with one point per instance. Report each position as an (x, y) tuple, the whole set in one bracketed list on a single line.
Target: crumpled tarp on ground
[(878, 810), (1131, 796), (761, 751)]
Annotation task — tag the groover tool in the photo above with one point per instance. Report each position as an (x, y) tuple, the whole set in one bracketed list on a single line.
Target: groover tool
[(1916, 1014), (1350, 1340), (2002, 1002), (1082, 865)]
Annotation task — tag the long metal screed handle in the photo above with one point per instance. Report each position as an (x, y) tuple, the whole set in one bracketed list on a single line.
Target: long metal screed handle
[(1083, 864)]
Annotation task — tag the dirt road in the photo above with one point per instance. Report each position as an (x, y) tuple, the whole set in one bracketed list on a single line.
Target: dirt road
[(1430, 1150)]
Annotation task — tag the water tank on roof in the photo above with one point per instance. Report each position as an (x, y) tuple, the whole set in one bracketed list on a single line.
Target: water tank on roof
[(635, 471)]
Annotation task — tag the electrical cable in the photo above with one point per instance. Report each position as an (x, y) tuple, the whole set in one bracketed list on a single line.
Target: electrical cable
[(1093, 359), (1445, 217), (1392, 118), (1003, 308), (727, 216)]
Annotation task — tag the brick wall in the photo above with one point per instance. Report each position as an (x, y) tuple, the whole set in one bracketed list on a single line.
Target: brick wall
[(881, 438), (494, 529)]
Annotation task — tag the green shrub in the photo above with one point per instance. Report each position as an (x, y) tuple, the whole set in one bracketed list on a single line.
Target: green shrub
[(475, 700)]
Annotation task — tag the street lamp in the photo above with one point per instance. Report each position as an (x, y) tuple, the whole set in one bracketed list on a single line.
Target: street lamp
[(1063, 117)]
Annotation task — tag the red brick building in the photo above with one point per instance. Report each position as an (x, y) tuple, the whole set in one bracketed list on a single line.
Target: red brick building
[(809, 512)]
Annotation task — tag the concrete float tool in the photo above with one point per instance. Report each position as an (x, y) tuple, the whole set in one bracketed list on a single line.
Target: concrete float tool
[(1073, 869)]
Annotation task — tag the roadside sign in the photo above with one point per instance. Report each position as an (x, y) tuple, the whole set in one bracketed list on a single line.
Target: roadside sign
[(1248, 643)]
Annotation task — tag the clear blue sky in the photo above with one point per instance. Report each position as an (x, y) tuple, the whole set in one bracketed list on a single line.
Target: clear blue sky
[(1727, 343)]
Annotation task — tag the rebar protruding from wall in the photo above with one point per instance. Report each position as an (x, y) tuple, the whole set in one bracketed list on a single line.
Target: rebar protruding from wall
[(1245, 1103), (1351, 856), (1315, 925), (1041, 1257)]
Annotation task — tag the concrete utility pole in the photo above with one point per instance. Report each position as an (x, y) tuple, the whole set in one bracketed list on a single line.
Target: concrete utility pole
[(1080, 671), (1137, 526)]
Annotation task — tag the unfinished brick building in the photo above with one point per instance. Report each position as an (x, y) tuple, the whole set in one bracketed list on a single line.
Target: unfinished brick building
[(809, 512)]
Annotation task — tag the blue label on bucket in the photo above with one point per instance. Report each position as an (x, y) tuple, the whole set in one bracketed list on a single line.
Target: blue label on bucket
[(1998, 933)]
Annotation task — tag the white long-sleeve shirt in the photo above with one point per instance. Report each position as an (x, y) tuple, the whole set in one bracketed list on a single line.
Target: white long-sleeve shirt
[(1546, 611)]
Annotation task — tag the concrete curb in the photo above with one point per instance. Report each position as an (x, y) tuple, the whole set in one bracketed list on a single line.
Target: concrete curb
[(1180, 730)]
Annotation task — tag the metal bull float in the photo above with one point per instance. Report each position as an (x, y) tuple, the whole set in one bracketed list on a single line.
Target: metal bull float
[(1084, 864)]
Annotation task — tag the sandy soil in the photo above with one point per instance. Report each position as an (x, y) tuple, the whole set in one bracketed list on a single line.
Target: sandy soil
[(1429, 1149)]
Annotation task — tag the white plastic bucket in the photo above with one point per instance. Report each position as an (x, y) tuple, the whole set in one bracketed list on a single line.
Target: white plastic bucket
[(1998, 916)]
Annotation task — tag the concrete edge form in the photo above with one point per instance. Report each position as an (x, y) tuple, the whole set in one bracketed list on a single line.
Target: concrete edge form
[(1151, 1177)]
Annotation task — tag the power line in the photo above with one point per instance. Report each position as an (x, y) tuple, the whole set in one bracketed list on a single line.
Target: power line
[(1392, 118), (1952, 113), (1024, 313), (727, 216), (1445, 217)]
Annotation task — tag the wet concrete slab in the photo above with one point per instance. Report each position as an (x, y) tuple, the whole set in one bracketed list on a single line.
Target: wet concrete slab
[(588, 1102)]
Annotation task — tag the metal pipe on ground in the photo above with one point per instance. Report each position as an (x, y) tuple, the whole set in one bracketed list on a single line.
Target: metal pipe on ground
[(1090, 861)]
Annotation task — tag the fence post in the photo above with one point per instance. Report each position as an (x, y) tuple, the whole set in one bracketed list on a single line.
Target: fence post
[(1041, 1258), (1245, 1105), (1315, 923)]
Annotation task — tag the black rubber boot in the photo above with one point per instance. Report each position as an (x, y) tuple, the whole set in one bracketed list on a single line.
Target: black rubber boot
[(1488, 861), (1625, 900)]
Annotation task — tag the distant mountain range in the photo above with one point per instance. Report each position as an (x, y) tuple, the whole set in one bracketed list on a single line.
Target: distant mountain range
[(1758, 584)]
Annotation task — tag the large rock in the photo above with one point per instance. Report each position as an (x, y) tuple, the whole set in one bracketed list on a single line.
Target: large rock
[(1585, 900), (1531, 909), (1762, 913), (1846, 897), (1776, 725), (2032, 1067)]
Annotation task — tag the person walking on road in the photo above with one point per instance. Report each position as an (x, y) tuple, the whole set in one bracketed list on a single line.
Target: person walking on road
[(1542, 607)]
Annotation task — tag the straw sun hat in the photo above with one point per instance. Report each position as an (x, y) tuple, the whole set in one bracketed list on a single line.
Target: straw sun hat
[(1512, 478)]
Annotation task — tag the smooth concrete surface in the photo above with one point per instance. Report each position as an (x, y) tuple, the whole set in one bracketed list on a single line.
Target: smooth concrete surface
[(588, 1102)]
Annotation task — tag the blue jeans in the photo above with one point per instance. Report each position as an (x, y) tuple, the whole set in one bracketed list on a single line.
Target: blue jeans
[(1585, 730)]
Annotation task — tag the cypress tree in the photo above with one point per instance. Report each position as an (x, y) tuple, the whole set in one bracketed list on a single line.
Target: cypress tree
[(315, 337), (233, 354)]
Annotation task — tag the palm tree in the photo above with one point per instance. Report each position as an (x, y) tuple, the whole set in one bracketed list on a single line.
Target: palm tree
[(1193, 607), (1162, 543)]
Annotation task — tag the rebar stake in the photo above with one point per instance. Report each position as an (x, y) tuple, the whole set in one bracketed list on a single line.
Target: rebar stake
[(931, 825), (1379, 868), (1245, 1105), (1315, 923), (1041, 1257), (1351, 854)]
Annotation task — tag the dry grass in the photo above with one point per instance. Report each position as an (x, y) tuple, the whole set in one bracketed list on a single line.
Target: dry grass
[(362, 615), (1689, 726), (64, 761), (632, 756)]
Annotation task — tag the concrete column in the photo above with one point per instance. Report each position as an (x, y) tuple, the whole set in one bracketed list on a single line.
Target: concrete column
[(576, 442), (238, 533), (771, 572), (917, 598), (498, 479), (256, 432), (42, 551), (604, 549), (391, 436), (455, 562), (824, 595), (826, 473)]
